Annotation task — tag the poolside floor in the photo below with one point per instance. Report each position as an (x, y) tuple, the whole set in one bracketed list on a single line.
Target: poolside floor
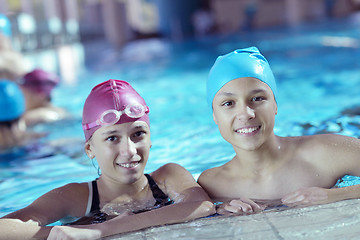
[(340, 220)]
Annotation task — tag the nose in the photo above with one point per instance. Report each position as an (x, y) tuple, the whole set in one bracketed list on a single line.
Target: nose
[(245, 113), (127, 148)]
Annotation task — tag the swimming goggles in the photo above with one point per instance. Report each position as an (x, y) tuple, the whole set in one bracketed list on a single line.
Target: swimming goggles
[(112, 116)]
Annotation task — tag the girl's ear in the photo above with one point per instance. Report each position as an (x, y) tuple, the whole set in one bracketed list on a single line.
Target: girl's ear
[(88, 150), (214, 118)]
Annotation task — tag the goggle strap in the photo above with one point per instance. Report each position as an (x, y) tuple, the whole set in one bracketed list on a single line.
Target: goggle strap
[(90, 125)]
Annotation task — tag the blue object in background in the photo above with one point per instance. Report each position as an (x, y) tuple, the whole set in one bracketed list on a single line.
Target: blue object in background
[(5, 26), (12, 102)]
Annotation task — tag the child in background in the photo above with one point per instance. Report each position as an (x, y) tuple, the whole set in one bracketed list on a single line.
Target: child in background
[(241, 90), (37, 86), (12, 126)]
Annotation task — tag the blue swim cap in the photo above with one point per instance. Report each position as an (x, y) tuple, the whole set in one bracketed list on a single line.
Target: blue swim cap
[(5, 26), (246, 62), (12, 102)]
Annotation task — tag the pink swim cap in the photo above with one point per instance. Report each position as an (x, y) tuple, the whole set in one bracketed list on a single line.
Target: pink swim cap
[(112, 102), (40, 81)]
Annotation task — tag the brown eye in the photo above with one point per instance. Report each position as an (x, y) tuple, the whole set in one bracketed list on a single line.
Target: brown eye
[(257, 99), (228, 103), (139, 133), (111, 138)]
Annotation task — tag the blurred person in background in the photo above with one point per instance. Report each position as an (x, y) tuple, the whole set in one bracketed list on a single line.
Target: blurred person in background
[(11, 62), (203, 20), (12, 126), (37, 87)]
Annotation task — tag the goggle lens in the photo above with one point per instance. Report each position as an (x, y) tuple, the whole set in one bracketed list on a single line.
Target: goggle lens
[(112, 116), (135, 110)]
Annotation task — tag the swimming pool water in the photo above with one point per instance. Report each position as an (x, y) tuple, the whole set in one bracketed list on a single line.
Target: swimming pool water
[(317, 69)]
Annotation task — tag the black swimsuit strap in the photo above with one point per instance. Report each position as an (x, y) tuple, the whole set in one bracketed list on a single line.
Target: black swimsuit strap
[(161, 198), (158, 194), (95, 204)]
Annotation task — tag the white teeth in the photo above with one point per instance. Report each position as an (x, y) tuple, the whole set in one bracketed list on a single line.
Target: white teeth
[(247, 130), (128, 165)]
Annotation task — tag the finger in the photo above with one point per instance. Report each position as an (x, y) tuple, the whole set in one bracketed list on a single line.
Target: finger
[(256, 207), (241, 206), (247, 205), (223, 212), (233, 209)]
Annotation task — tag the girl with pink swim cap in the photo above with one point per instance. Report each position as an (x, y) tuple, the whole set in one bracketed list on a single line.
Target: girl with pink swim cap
[(117, 132), (37, 86)]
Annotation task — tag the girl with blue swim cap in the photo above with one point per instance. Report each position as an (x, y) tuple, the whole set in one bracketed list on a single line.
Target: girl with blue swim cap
[(123, 198), (246, 62), (12, 106), (293, 171)]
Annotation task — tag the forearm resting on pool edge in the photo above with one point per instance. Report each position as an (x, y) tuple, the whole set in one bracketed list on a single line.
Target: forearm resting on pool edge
[(17, 229), (350, 192), (176, 213)]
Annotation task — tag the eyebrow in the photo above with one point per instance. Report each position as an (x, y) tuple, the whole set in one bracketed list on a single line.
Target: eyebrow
[(116, 131), (140, 127), (109, 132), (259, 90), (229, 94)]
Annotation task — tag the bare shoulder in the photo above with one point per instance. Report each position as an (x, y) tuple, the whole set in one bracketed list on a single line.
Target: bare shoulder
[(172, 174), (328, 143), (212, 180), (329, 152), (209, 175), (178, 183), (171, 168), (340, 141), (170, 171), (69, 189)]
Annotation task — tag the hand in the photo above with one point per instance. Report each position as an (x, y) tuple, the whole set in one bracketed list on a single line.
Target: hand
[(306, 196), (66, 232), (239, 206)]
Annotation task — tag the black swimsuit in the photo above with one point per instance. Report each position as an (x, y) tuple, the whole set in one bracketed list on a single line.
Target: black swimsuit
[(161, 200)]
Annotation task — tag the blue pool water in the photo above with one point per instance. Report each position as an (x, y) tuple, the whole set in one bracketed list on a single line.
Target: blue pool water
[(318, 73)]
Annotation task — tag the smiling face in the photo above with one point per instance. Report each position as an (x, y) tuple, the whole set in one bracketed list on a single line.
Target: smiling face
[(244, 110), (121, 150)]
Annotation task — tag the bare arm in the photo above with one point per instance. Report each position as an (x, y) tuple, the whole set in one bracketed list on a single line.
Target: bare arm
[(179, 212), (176, 213), (17, 229), (29, 222), (336, 156), (317, 195), (191, 202)]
